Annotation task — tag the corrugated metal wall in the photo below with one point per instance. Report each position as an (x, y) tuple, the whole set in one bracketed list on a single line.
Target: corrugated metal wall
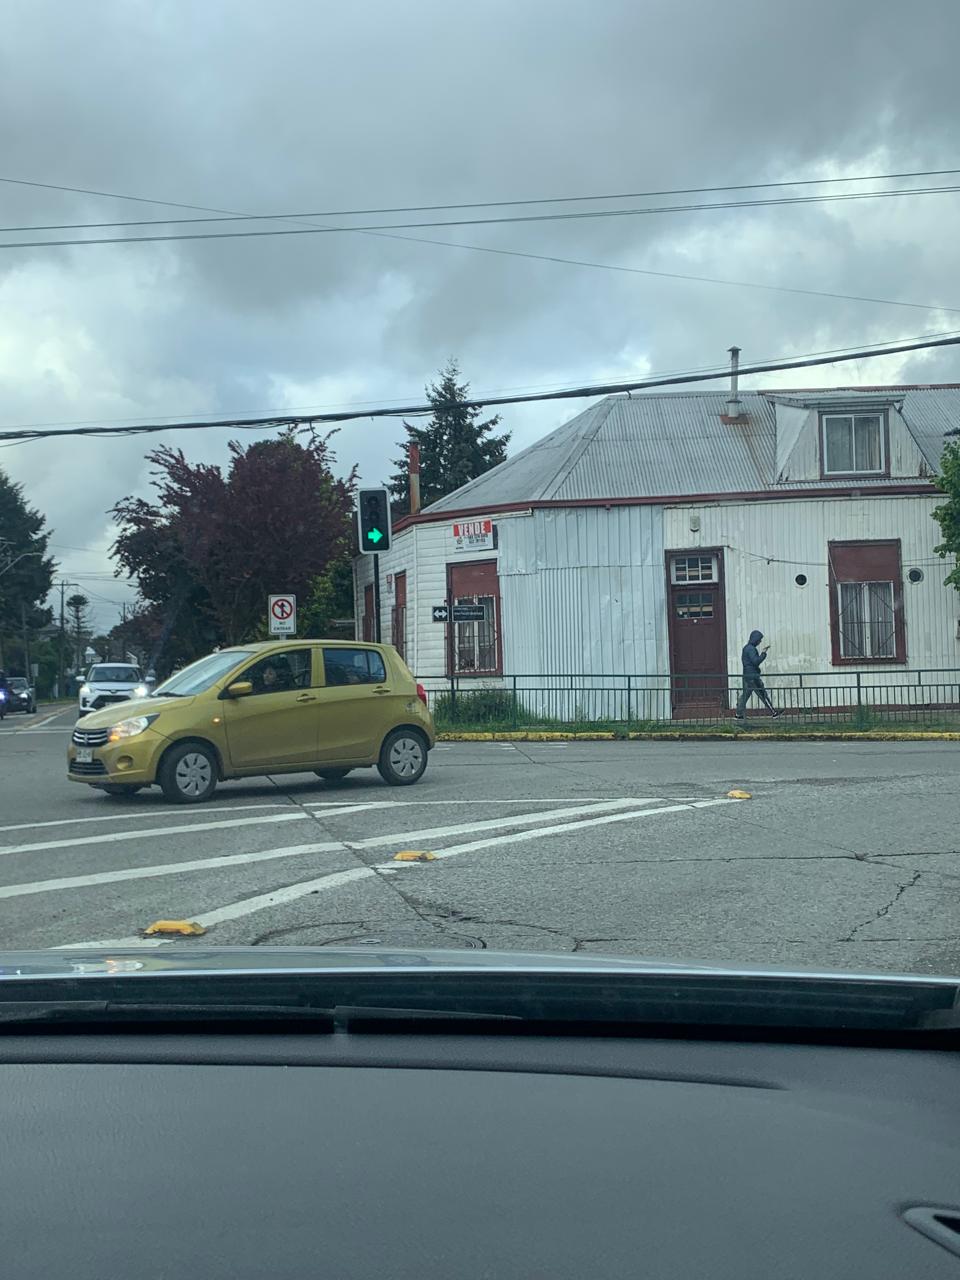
[(582, 591), (766, 544)]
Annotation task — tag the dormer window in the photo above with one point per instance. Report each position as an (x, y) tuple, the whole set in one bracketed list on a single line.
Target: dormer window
[(853, 444)]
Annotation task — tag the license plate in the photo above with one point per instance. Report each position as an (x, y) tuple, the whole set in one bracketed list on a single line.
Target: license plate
[(84, 755)]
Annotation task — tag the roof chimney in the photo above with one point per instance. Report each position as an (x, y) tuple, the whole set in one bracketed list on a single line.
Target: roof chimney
[(413, 453), (734, 407)]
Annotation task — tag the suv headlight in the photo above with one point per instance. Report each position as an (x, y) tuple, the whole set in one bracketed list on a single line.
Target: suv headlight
[(141, 691), (129, 728), (84, 690)]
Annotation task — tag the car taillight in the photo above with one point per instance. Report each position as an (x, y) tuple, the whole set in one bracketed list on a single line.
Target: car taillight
[(422, 694)]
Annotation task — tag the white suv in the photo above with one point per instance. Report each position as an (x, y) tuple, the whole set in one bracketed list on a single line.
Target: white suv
[(108, 682)]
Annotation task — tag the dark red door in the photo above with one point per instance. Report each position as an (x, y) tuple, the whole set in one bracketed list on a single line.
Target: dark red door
[(698, 641), (399, 619)]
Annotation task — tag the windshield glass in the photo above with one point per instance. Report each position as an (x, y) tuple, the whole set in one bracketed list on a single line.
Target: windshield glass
[(18, 683), (200, 675), (490, 484), (113, 675)]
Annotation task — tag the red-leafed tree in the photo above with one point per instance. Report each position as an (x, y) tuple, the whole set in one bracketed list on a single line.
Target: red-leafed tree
[(214, 544)]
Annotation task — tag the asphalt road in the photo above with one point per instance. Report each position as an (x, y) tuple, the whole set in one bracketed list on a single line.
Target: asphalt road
[(847, 856)]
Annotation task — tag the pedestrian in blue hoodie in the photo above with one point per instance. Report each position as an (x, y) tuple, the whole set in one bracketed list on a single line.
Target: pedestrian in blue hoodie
[(753, 659)]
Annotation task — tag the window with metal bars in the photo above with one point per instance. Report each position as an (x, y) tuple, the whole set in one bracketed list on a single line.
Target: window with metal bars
[(867, 620)]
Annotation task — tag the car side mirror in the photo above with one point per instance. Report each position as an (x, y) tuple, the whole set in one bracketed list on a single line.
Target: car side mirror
[(239, 689)]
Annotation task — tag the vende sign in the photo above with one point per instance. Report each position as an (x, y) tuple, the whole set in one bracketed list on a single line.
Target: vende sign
[(473, 535)]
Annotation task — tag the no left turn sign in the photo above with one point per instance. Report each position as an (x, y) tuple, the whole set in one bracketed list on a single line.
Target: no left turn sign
[(282, 615)]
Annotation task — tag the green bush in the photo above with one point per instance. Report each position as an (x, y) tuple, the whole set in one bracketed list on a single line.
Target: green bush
[(476, 707)]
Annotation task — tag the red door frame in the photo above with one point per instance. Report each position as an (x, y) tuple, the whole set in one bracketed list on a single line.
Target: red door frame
[(720, 585)]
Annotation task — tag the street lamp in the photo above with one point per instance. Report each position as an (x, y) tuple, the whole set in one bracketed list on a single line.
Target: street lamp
[(22, 556)]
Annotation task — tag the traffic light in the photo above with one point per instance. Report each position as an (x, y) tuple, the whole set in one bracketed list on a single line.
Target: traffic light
[(373, 516)]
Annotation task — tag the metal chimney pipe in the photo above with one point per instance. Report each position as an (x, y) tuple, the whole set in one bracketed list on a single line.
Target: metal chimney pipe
[(413, 453), (734, 407)]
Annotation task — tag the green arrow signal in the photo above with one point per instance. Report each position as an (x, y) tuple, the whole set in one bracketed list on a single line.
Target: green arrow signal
[(375, 536)]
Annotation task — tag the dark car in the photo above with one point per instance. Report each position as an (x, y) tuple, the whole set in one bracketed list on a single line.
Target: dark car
[(21, 695)]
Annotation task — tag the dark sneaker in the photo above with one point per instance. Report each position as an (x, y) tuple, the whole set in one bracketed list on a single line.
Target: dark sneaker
[(737, 717), (775, 714)]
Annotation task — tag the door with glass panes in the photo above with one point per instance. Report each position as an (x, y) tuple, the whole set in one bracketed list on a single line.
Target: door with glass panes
[(473, 648), (698, 642)]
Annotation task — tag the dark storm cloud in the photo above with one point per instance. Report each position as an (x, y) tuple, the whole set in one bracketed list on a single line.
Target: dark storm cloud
[(314, 106)]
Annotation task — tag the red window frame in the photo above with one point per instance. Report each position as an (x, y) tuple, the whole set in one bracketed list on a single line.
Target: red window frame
[(470, 581), (398, 616), (875, 561)]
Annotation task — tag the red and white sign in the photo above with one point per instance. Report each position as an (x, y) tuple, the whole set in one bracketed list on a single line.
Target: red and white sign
[(282, 615), (473, 535)]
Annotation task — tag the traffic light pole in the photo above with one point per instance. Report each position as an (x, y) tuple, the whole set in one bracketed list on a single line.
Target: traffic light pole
[(376, 599)]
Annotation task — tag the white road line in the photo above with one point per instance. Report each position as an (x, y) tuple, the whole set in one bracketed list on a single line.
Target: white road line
[(38, 724), (29, 729), (132, 817), (146, 815), (492, 824), (269, 855), (115, 837), (323, 884), (416, 804)]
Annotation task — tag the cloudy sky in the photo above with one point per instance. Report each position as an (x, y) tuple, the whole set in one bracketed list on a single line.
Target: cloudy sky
[(307, 106)]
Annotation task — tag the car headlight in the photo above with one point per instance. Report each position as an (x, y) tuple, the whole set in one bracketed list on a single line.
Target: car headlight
[(84, 690), (129, 728), (141, 691)]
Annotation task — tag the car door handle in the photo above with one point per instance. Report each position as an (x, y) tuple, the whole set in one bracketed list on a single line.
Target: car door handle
[(306, 697), (381, 691)]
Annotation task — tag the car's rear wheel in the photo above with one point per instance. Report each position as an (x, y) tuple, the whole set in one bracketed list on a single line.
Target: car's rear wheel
[(188, 773), (120, 788), (331, 775), (403, 757)]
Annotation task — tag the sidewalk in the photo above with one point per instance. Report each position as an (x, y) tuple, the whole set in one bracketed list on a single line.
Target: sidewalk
[(706, 735)]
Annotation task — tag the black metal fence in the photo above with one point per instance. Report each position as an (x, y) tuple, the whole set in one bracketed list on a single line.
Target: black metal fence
[(924, 699)]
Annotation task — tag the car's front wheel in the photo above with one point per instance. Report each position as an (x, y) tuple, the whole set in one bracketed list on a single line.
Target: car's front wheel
[(403, 757), (188, 773)]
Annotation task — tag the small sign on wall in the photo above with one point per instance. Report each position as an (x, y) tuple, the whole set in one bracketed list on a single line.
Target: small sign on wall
[(473, 535)]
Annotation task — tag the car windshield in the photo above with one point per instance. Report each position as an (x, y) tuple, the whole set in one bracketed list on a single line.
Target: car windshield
[(199, 676), (490, 483), (18, 683), (113, 675)]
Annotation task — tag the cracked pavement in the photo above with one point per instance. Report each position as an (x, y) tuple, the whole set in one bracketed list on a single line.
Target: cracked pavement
[(846, 857)]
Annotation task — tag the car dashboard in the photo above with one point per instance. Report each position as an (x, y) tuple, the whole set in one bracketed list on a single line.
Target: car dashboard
[(233, 1156)]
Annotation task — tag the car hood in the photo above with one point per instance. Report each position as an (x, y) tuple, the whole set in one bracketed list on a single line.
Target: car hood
[(107, 716), (177, 958)]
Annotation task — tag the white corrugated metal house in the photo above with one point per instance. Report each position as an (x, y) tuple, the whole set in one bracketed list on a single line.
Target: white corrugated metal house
[(648, 536)]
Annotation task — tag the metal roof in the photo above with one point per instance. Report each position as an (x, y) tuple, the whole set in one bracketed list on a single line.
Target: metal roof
[(675, 444)]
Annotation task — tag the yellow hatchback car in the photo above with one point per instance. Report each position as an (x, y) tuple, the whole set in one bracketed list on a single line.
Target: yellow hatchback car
[(290, 706)]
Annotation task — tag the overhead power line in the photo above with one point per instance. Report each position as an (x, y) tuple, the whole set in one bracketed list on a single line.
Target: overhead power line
[(573, 262), (418, 410), (489, 204), (718, 368), (574, 216), (492, 204)]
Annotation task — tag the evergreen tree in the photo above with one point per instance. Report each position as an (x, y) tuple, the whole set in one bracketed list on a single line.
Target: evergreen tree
[(455, 446), (26, 573)]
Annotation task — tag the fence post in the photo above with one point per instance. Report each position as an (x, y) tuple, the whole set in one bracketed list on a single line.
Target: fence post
[(859, 695), (514, 702), (629, 699)]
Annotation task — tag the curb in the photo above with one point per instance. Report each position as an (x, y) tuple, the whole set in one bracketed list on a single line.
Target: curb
[(868, 735)]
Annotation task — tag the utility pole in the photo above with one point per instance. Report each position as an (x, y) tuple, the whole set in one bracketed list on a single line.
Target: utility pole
[(26, 641), (63, 588), (63, 584)]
